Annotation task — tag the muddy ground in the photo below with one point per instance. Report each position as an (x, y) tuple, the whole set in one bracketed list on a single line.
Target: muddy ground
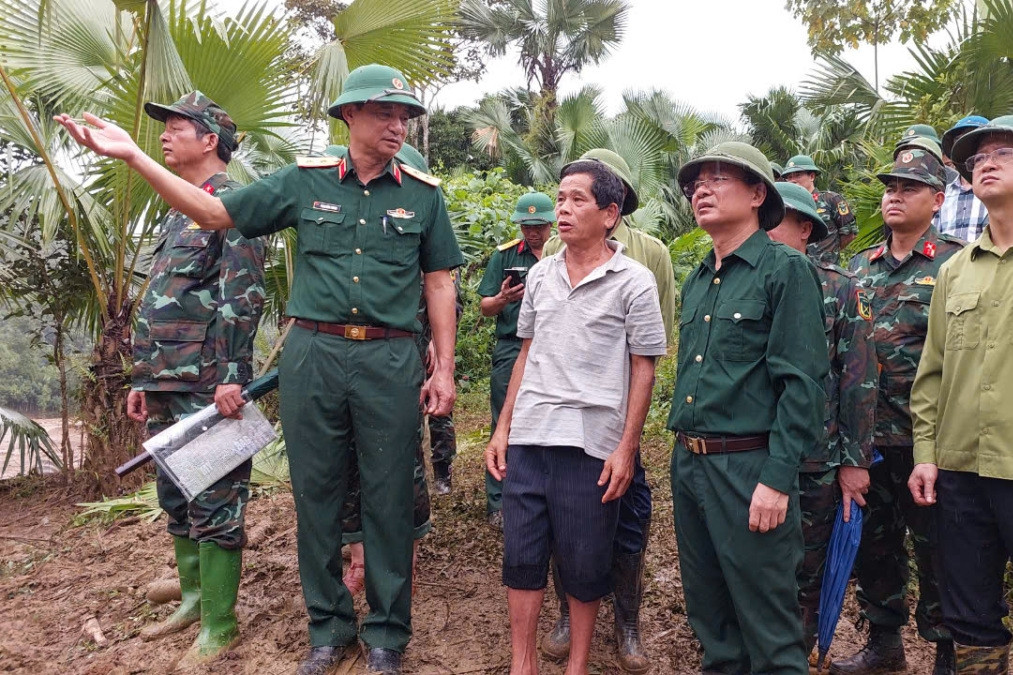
[(57, 578)]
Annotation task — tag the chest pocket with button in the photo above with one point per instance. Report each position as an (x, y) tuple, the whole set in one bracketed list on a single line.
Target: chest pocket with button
[(963, 321), (319, 232), (741, 329), (189, 253), (399, 245)]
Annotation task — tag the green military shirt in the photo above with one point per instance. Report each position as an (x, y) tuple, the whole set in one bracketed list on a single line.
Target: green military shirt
[(515, 253), (360, 247), (901, 292), (841, 222), (199, 315), (753, 354), (961, 400), (650, 252), (851, 385)]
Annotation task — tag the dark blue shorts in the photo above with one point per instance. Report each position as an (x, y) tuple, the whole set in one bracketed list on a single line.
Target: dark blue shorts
[(552, 504)]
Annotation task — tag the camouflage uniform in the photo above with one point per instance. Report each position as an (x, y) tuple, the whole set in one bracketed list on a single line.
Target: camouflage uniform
[(195, 330), (442, 436), (900, 295), (836, 213), (851, 403)]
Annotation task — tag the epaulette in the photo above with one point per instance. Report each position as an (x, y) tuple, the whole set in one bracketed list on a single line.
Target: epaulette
[(317, 162), (951, 239), (420, 175), (508, 245), (834, 267)]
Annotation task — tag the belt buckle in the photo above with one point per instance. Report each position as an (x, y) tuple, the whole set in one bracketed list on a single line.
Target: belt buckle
[(698, 446), (355, 332)]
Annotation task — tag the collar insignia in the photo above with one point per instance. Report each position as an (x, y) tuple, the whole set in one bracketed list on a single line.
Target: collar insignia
[(929, 250), (209, 188), (878, 253), (396, 172)]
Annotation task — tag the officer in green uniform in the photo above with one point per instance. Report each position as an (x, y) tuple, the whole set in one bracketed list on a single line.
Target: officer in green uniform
[(501, 297), (832, 207), (837, 468), (635, 508), (748, 405), (900, 275), (193, 345), (369, 227)]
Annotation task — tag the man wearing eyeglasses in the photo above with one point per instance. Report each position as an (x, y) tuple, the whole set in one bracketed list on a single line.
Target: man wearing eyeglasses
[(369, 228), (899, 275), (748, 404), (961, 409)]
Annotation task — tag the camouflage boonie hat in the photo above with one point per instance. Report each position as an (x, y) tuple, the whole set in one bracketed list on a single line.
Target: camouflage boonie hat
[(959, 129), (917, 165), (800, 200), (967, 145), (617, 165), (534, 208), (800, 163), (749, 159), (199, 108), (919, 143), (376, 84)]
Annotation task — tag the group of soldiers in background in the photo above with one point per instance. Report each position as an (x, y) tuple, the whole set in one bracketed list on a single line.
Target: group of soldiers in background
[(812, 364)]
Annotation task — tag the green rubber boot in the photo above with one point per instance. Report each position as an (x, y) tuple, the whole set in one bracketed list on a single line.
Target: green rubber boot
[(188, 566), (219, 572)]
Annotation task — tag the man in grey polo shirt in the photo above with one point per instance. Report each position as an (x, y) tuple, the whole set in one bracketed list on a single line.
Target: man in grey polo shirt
[(591, 327)]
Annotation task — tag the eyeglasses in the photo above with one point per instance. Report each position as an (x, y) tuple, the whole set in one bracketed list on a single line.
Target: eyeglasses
[(999, 156), (689, 189)]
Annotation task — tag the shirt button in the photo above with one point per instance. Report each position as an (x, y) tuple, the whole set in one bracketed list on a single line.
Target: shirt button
[(698, 358), (355, 310), (995, 303), (991, 345), (358, 251), (365, 192), (355, 279), (707, 317), (362, 221), (736, 315), (987, 387), (984, 431), (689, 399), (717, 280)]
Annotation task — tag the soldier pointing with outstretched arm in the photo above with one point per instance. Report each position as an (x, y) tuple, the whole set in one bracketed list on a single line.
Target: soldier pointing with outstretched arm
[(369, 228)]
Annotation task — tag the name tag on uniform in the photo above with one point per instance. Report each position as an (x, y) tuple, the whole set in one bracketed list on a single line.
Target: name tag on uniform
[(325, 206)]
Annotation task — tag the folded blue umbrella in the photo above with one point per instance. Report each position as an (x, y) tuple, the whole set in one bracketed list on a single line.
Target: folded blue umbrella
[(841, 552)]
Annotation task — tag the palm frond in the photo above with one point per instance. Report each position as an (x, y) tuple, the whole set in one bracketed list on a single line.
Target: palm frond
[(28, 441)]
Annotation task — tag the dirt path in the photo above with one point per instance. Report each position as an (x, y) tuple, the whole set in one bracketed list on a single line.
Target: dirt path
[(54, 577)]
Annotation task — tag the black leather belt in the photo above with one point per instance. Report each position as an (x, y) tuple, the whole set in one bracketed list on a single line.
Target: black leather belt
[(717, 445), (353, 332)]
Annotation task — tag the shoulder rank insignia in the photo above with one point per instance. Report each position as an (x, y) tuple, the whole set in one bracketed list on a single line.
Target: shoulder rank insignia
[(318, 162), (864, 306), (508, 245), (929, 250), (400, 213), (421, 176), (926, 281)]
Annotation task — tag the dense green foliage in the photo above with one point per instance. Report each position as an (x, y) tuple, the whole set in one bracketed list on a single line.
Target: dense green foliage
[(29, 381)]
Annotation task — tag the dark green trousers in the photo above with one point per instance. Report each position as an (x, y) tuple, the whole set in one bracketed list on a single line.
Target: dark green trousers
[(336, 392), (740, 588), (819, 494), (504, 355)]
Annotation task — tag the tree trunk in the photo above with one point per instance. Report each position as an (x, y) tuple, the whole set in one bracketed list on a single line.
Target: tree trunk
[(112, 436), (425, 137), (66, 456)]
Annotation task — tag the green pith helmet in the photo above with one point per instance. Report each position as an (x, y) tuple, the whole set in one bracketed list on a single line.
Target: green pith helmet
[(920, 130), (967, 145), (800, 163), (534, 208), (749, 159), (408, 154), (800, 200), (917, 165), (620, 168), (777, 170), (376, 84), (199, 108), (919, 143)]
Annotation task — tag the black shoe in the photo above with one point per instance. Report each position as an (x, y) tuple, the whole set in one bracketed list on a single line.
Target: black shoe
[(945, 659), (385, 661), (882, 654), (442, 479), (321, 660)]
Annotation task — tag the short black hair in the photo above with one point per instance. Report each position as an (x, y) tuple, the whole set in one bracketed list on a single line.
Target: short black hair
[(226, 123), (606, 187)]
